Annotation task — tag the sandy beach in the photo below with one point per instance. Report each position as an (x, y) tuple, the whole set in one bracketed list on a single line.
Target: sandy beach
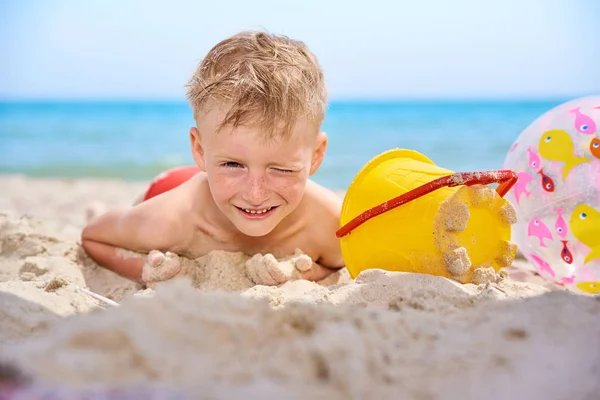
[(219, 336)]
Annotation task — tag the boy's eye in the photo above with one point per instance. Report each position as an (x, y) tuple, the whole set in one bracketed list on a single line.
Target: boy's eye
[(232, 164), (285, 171)]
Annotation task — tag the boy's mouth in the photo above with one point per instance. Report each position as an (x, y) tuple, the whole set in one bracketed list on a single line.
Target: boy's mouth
[(256, 213)]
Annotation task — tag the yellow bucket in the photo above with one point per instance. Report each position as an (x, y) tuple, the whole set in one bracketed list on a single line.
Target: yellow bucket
[(404, 213)]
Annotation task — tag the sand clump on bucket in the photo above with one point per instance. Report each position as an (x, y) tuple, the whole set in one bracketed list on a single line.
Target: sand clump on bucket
[(453, 219), (215, 333)]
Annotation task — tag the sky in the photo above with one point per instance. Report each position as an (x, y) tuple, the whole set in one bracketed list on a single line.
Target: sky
[(395, 49)]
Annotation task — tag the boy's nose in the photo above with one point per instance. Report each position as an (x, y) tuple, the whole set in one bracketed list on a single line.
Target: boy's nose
[(256, 193)]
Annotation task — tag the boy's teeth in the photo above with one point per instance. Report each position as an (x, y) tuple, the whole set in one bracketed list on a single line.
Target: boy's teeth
[(257, 211)]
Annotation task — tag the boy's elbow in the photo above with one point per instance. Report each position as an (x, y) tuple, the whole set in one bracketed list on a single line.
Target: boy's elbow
[(87, 241), (100, 230), (96, 249), (90, 238), (87, 235)]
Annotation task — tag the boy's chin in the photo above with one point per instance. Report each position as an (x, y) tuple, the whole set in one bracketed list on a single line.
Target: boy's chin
[(255, 229)]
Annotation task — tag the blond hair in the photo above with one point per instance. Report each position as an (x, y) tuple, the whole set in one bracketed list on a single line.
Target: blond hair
[(266, 80)]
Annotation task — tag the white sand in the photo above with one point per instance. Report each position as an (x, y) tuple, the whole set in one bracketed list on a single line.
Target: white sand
[(384, 335)]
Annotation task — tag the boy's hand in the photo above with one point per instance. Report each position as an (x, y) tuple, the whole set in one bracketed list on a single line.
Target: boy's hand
[(160, 267), (266, 270)]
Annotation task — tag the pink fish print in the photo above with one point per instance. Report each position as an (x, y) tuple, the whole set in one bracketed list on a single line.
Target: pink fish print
[(543, 265), (539, 229), (583, 123), (534, 159), (521, 186), (568, 280), (560, 225)]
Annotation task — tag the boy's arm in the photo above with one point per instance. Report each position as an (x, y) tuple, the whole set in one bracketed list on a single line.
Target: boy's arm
[(141, 228), (332, 259)]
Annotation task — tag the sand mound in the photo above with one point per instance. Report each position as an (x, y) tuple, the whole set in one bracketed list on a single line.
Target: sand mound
[(405, 343)]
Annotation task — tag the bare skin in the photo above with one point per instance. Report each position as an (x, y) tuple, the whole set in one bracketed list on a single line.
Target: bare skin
[(201, 215), (189, 230)]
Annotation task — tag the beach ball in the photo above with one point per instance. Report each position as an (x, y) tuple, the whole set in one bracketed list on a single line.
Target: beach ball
[(557, 195)]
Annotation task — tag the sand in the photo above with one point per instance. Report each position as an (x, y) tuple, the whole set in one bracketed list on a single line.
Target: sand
[(218, 335)]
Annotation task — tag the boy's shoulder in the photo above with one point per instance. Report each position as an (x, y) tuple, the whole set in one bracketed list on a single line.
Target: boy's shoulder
[(172, 212), (323, 200), (179, 197), (324, 214)]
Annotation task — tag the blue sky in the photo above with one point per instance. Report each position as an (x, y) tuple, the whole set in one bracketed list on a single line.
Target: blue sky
[(372, 49)]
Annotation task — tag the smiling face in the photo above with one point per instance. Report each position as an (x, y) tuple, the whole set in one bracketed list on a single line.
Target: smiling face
[(256, 182)]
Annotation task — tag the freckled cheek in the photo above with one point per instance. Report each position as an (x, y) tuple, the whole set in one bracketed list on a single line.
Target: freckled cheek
[(226, 184), (290, 187)]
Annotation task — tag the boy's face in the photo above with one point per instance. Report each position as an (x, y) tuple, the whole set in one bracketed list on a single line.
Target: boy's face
[(256, 182)]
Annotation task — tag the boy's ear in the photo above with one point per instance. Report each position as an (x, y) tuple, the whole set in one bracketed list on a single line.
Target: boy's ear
[(197, 150), (319, 152)]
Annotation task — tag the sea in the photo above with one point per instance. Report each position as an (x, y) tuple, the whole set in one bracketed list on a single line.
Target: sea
[(137, 140)]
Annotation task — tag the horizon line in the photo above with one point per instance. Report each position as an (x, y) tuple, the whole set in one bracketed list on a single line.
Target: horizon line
[(333, 100)]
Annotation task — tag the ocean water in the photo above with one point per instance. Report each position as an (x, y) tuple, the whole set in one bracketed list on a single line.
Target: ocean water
[(137, 140)]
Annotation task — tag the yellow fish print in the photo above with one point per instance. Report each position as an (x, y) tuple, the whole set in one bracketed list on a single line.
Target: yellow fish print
[(557, 145), (585, 225), (589, 287)]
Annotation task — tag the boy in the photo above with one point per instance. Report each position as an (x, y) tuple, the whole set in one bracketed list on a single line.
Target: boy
[(258, 102)]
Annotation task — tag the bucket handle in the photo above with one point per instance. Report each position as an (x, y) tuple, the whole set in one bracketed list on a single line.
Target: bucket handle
[(506, 179)]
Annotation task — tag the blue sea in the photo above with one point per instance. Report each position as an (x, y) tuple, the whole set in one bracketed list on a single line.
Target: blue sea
[(137, 140)]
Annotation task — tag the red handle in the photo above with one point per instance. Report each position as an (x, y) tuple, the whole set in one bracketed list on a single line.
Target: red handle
[(505, 178)]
